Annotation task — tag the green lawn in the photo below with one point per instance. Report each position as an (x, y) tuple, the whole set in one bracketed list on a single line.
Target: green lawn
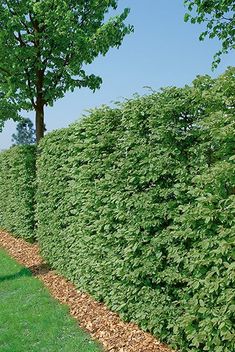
[(31, 320)]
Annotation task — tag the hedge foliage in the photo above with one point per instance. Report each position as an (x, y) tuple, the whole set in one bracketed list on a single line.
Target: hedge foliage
[(17, 191), (136, 205)]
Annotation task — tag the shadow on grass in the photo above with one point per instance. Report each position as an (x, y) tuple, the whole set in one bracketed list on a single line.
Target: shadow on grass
[(33, 270)]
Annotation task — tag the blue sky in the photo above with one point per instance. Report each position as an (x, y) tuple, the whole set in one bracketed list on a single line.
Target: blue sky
[(163, 51)]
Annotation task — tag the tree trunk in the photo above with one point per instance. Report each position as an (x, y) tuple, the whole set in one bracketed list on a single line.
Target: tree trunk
[(39, 122)]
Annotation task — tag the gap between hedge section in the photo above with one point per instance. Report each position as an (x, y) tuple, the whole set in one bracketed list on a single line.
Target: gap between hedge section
[(102, 324)]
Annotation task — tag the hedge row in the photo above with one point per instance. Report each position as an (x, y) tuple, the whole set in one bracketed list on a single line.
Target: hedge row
[(136, 206), (17, 191)]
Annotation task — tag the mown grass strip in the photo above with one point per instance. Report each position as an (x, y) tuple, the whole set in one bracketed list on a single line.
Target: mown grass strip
[(31, 320)]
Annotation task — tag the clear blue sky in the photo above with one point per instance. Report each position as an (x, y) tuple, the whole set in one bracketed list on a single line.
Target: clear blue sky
[(163, 51)]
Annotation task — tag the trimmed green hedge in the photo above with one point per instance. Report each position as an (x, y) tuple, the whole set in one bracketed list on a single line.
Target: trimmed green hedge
[(136, 205), (17, 190)]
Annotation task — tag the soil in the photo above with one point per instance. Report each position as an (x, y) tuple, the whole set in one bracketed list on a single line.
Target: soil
[(102, 324)]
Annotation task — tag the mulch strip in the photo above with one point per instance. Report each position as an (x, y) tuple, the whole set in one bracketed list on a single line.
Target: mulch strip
[(102, 324)]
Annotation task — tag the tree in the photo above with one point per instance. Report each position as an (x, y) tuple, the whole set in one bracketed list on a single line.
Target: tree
[(25, 133), (44, 46), (220, 22)]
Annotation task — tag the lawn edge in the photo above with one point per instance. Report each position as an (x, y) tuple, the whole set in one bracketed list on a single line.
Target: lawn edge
[(94, 317)]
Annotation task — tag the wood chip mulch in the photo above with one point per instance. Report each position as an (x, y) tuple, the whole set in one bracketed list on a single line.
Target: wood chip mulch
[(102, 324)]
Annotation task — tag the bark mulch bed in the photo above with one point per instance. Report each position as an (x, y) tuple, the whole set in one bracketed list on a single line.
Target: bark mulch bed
[(95, 317)]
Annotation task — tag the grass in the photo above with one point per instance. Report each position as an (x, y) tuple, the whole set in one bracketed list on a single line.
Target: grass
[(31, 320)]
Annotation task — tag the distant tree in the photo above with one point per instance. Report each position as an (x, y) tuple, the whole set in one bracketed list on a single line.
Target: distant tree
[(219, 16), (44, 46), (25, 133)]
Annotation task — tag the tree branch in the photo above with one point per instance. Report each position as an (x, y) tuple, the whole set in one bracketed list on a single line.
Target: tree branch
[(19, 39), (228, 19), (59, 73), (5, 70), (30, 87), (13, 13)]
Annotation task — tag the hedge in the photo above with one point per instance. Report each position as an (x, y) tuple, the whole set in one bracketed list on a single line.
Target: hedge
[(17, 191), (136, 206)]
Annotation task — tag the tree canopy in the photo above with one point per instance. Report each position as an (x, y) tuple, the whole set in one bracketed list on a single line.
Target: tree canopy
[(219, 17), (45, 46), (8, 110)]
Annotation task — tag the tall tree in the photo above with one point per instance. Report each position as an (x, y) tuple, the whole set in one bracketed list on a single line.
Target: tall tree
[(45, 44), (219, 16), (25, 133)]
